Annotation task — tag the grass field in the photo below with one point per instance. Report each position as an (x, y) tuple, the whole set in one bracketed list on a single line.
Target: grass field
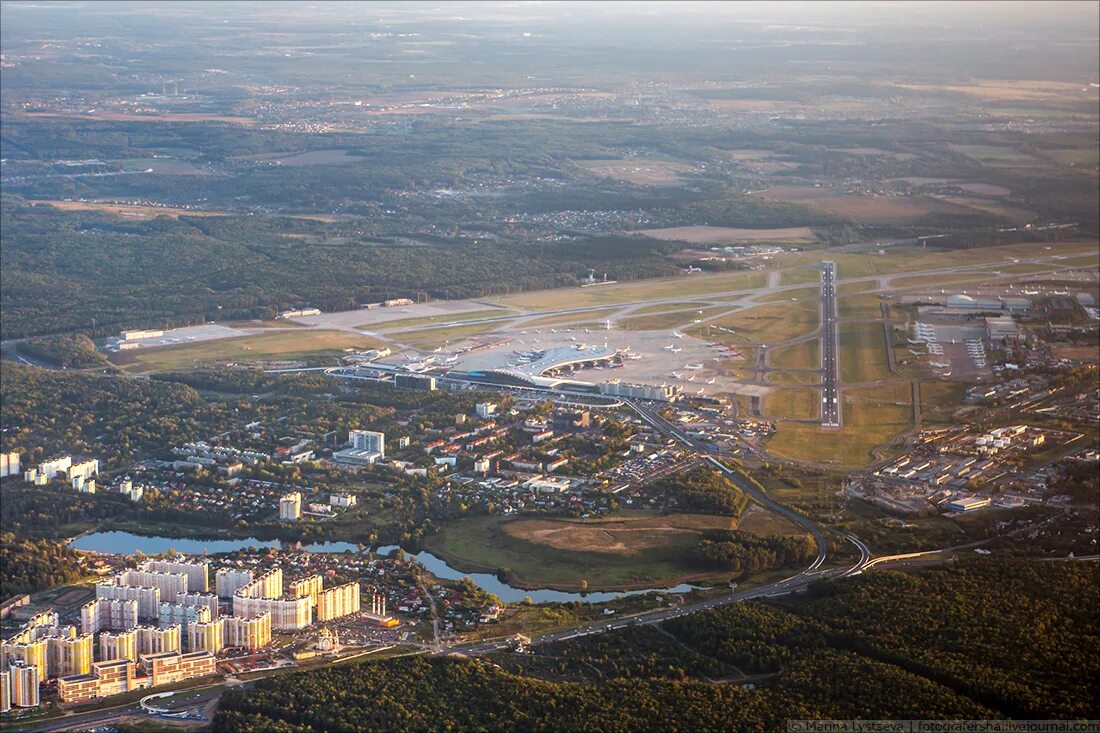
[(805, 355), (800, 275), (429, 320), (731, 235), (862, 353), (939, 400), (787, 295), (793, 403), (795, 378), (429, 338), (640, 171), (633, 292), (290, 344), (610, 554), (865, 305), (672, 319), (665, 307), (772, 323), (565, 319), (872, 416)]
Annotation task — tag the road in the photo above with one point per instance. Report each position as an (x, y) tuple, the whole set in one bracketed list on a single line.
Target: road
[(788, 585), (830, 393)]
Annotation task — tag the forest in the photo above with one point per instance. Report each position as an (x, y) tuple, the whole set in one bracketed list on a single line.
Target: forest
[(704, 490), (27, 565), (986, 638)]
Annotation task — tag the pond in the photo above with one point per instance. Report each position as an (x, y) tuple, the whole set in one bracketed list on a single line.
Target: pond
[(126, 543)]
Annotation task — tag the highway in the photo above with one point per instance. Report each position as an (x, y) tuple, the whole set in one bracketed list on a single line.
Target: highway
[(788, 585), (830, 393)]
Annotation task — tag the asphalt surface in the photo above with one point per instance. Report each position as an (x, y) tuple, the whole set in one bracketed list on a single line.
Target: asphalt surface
[(830, 394)]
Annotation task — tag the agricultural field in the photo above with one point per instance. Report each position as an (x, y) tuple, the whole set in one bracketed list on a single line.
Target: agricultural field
[(310, 345), (872, 417), (862, 353), (609, 554)]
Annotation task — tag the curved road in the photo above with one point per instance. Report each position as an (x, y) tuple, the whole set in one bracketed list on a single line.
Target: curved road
[(788, 585)]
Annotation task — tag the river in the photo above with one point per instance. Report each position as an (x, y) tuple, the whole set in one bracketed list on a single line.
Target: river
[(126, 543)]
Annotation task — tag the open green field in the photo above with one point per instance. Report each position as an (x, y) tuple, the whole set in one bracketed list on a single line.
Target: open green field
[(429, 320), (563, 319), (429, 338), (862, 353), (795, 378), (661, 321), (939, 400), (609, 554), (634, 292), (773, 323), (800, 275), (804, 355), (665, 307), (787, 296), (793, 403), (289, 344), (872, 417), (865, 305), (899, 260), (942, 282), (854, 288)]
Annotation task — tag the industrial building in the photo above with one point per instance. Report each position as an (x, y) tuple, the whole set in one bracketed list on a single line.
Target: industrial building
[(968, 503), (659, 393), (414, 381)]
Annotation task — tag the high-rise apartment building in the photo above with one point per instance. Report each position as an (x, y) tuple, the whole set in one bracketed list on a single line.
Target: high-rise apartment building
[(340, 601), (153, 640), (108, 613), (24, 685), (228, 580), (310, 586), (197, 572), (148, 598), (290, 506), (118, 645)]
